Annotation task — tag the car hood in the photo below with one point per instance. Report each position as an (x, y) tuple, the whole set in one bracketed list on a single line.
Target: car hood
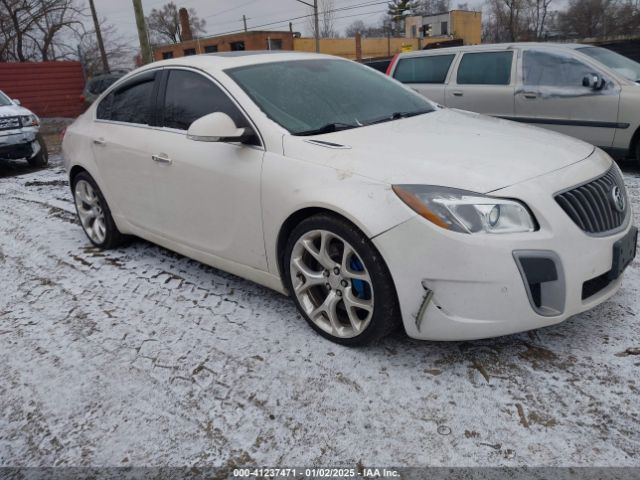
[(13, 111), (446, 147)]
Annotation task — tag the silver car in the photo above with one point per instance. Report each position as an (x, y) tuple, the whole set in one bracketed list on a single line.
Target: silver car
[(590, 93)]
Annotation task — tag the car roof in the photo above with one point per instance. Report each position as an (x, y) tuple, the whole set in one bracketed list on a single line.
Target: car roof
[(492, 46), (223, 60)]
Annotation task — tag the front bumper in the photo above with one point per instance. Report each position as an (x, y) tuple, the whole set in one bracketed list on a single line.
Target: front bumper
[(18, 144), (463, 287)]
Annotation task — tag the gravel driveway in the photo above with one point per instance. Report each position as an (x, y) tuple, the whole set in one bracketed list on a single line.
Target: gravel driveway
[(139, 356)]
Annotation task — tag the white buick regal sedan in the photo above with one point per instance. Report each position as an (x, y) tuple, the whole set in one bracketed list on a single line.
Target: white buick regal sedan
[(368, 204)]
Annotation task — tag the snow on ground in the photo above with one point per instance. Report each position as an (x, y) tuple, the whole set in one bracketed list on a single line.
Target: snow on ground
[(142, 357)]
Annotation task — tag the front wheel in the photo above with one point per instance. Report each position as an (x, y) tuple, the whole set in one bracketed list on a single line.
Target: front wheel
[(40, 159), (339, 281)]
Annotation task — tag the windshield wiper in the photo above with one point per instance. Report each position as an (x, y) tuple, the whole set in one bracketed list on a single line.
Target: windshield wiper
[(397, 116), (328, 128)]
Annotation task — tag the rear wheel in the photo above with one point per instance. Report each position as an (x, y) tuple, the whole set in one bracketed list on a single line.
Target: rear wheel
[(94, 214), (340, 282), (41, 159), (638, 153)]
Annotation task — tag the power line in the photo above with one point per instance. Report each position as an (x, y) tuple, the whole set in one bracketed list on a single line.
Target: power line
[(286, 21), (292, 19)]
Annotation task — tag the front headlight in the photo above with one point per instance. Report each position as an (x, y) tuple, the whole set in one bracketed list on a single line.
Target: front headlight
[(29, 121), (466, 212)]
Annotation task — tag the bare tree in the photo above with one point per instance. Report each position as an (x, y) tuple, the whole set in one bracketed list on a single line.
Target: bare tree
[(327, 22), (627, 18), (512, 20), (365, 30), (588, 18), (164, 24), (539, 15), (506, 20), (37, 29), (60, 16), (119, 50), (431, 7)]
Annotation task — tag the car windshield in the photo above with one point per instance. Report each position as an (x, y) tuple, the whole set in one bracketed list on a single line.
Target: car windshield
[(616, 62), (322, 95), (4, 100)]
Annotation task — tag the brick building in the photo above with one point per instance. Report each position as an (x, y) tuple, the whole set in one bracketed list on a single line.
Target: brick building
[(254, 40)]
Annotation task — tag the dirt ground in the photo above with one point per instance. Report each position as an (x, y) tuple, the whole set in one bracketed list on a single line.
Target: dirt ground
[(139, 356)]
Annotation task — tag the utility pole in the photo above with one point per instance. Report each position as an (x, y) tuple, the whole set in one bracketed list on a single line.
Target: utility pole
[(145, 47), (96, 24), (244, 20), (316, 21)]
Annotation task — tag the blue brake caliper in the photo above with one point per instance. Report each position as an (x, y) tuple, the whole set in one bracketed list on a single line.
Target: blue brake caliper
[(359, 287)]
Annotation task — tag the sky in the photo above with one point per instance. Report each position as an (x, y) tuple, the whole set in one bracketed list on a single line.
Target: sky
[(225, 16)]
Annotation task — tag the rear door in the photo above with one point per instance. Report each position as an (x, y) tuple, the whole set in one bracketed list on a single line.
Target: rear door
[(121, 146), (552, 96), (483, 83), (426, 74)]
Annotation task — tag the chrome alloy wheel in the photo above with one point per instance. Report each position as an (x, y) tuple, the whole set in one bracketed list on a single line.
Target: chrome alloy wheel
[(331, 283), (90, 212)]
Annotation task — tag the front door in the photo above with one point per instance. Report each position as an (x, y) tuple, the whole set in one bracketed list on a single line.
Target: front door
[(208, 192), (552, 96)]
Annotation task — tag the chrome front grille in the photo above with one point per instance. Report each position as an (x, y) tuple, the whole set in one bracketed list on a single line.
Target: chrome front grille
[(598, 206), (9, 123)]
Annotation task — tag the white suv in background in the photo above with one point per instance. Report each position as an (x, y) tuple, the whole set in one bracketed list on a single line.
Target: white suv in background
[(590, 93), (20, 134)]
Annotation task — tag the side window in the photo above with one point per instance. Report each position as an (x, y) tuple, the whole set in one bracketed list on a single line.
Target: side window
[(104, 108), (550, 69), (431, 69), (485, 68), (191, 96), (130, 103), (274, 44)]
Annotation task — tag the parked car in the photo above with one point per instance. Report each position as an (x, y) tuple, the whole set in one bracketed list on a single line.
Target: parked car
[(98, 84), (379, 64), (324, 179), (588, 92), (20, 133)]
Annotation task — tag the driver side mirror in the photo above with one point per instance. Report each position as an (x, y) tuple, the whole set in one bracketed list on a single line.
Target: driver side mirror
[(17, 102), (217, 127), (593, 81)]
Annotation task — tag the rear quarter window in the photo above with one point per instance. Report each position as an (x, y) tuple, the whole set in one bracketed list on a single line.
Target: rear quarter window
[(485, 68), (428, 69)]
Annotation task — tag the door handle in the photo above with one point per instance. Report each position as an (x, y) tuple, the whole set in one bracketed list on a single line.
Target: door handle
[(530, 95), (161, 158), (99, 141), (457, 93)]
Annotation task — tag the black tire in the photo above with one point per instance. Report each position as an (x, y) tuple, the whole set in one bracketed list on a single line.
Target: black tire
[(638, 153), (42, 157), (386, 311), (113, 237)]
